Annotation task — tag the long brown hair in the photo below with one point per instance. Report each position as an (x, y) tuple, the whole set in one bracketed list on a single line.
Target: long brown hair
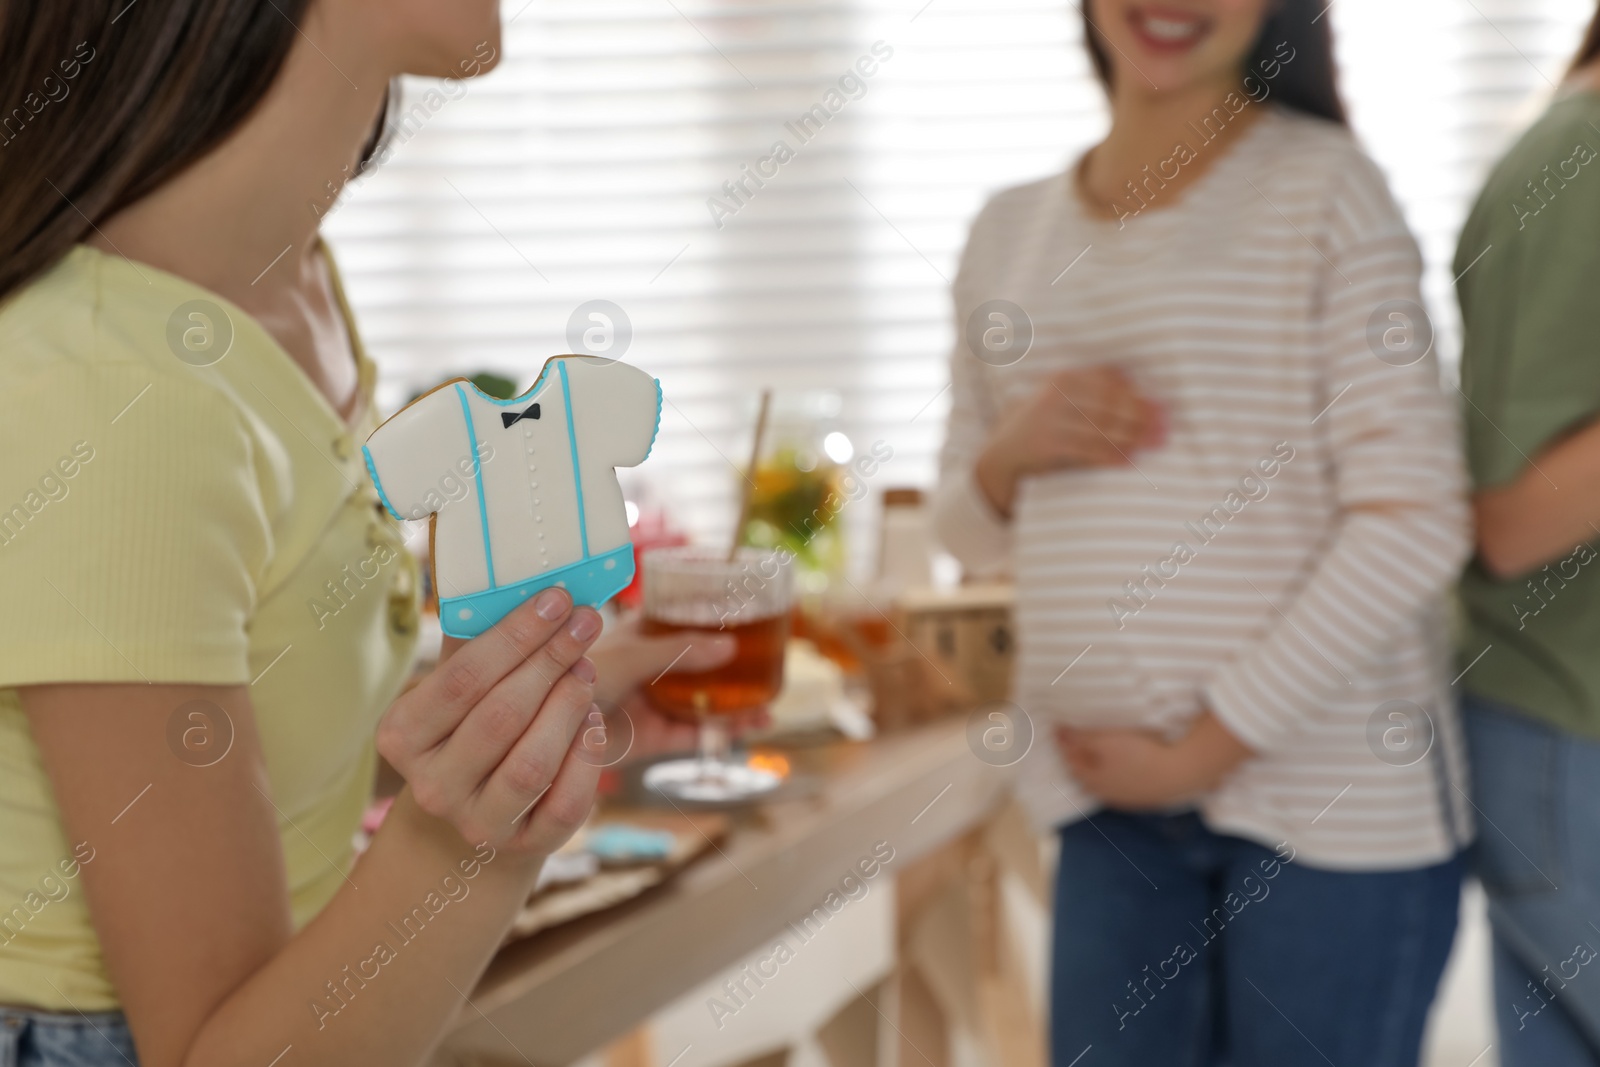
[(104, 100), (1590, 48), (1309, 82)]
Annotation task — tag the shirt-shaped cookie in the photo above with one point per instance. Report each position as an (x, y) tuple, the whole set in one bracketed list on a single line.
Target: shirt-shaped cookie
[(523, 493)]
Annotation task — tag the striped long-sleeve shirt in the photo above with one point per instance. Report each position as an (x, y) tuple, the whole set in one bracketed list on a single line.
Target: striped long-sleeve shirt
[(1283, 557)]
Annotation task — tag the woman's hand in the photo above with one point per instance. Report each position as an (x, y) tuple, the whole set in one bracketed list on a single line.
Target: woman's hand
[(487, 741), (626, 659), (1139, 770), (654, 733), (1092, 417)]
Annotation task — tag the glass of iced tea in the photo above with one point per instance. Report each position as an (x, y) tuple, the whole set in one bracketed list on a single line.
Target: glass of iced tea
[(694, 591)]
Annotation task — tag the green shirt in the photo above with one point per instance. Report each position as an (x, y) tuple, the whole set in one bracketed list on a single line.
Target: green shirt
[(1530, 370)]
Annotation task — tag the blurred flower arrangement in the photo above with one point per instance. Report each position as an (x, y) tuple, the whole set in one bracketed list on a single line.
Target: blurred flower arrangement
[(790, 508)]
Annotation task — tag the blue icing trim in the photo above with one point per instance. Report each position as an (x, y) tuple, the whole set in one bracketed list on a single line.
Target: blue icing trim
[(656, 430), (577, 474), (377, 483), (477, 473), (591, 582)]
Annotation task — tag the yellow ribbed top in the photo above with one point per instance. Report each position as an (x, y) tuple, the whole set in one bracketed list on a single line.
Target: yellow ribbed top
[(179, 504)]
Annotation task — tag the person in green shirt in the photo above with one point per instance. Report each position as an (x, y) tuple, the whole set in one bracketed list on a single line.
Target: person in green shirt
[(1528, 269)]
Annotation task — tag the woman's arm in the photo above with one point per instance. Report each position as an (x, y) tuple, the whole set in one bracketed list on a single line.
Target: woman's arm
[(187, 891), (1402, 531), (1553, 505)]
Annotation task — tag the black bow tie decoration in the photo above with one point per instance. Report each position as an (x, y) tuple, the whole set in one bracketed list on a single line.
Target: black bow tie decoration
[(509, 418)]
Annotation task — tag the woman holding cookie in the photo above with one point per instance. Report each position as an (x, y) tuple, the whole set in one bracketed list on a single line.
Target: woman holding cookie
[(186, 745), (1233, 508)]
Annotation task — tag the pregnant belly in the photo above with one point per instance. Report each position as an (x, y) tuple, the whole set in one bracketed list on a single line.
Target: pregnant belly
[(1129, 598)]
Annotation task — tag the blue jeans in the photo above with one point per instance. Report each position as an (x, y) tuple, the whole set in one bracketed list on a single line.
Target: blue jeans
[(1182, 947), (52, 1039), (1537, 790)]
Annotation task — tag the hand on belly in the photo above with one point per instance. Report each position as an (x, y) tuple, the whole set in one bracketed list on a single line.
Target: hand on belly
[(1140, 770)]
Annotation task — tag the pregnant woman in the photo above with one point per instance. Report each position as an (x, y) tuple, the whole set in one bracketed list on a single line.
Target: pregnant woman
[(1532, 676), (1195, 415), (186, 741)]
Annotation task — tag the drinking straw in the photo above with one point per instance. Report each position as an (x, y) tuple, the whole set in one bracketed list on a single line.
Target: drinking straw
[(748, 489)]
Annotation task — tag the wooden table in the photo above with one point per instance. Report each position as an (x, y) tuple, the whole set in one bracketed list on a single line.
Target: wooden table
[(572, 990)]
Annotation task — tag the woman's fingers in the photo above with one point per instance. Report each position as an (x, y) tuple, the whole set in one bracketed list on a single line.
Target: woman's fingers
[(1155, 425), (643, 659), (1132, 417), (1122, 415), (1102, 417), (758, 719), (432, 711), (628, 661), (699, 652), (563, 807), (498, 722), (1078, 747), (530, 765), (1087, 417), (1090, 446), (494, 727)]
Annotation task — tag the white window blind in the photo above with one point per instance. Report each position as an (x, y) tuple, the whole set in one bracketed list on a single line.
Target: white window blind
[(583, 169), (1436, 90)]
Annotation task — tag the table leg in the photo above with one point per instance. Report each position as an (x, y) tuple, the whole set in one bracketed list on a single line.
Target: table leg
[(853, 1037), (958, 968)]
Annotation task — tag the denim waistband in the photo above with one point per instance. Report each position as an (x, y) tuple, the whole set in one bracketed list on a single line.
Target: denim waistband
[(30, 1038)]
